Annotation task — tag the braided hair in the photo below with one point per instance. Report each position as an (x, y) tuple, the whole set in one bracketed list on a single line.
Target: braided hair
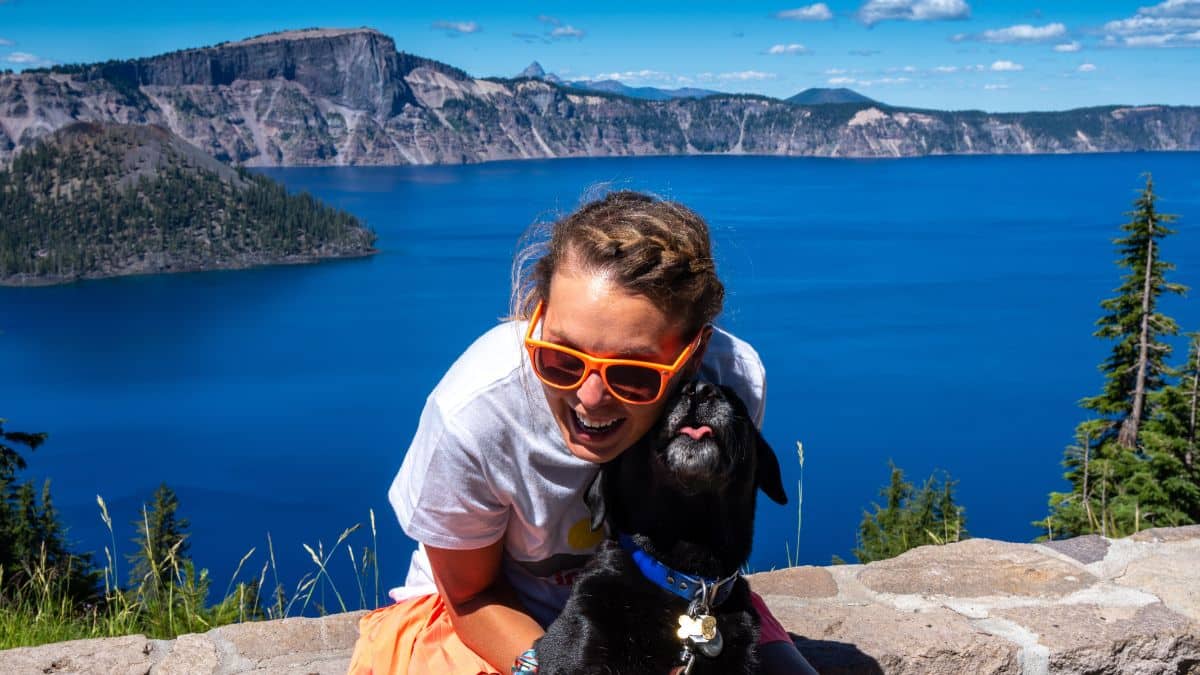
[(650, 247)]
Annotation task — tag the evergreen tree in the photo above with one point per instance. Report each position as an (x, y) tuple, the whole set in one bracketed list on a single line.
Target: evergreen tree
[(31, 536), (911, 518), (1137, 364), (11, 461), (161, 556), (1132, 466)]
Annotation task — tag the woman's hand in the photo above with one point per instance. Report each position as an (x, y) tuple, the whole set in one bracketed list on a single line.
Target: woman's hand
[(484, 609)]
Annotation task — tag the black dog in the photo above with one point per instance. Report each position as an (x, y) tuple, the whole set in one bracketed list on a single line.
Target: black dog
[(664, 590)]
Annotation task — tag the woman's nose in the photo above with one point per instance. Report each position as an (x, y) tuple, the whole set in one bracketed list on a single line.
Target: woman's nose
[(592, 392)]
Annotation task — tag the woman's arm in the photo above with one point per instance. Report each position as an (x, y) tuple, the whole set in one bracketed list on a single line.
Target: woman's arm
[(484, 609)]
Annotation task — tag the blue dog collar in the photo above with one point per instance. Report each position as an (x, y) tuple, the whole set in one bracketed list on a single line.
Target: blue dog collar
[(687, 586)]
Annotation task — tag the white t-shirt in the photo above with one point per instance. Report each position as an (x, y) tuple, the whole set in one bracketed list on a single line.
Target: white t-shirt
[(489, 462)]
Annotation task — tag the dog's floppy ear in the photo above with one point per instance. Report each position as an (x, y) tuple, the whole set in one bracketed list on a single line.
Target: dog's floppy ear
[(767, 470), (594, 498)]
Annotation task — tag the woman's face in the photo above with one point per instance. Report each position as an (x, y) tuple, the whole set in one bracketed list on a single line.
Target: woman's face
[(588, 312)]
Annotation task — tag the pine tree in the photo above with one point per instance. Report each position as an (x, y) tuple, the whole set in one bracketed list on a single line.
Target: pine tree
[(161, 546), (911, 518), (1137, 364), (31, 536), (15, 532), (1129, 467)]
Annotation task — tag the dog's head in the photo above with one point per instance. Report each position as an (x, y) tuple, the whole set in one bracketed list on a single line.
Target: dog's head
[(705, 446)]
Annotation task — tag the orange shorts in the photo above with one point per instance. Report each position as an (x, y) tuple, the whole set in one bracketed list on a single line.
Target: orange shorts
[(414, 637)]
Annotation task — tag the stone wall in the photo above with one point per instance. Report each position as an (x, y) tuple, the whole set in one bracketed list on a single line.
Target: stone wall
[(1087, 605)]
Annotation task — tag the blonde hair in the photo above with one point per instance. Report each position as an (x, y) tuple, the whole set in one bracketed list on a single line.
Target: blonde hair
[(651, 247)]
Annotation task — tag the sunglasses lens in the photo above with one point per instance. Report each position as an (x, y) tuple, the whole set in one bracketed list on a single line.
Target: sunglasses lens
[(558, 368), (634, 383)]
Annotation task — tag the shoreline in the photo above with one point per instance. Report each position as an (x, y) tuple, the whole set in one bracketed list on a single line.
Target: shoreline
[(22, 281)]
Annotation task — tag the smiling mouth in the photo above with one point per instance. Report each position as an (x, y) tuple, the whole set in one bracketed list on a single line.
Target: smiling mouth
[(593, 430)]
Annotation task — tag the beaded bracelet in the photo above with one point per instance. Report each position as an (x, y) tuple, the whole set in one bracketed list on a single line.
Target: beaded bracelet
[(526, 663)]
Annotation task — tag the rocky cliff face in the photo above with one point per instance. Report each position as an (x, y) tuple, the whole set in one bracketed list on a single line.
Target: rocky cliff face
[(339, 97)]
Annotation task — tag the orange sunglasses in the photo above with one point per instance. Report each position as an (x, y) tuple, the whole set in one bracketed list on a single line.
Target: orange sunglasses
[(628, 380)]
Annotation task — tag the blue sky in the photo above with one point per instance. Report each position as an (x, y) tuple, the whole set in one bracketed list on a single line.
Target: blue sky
[(945, 54)]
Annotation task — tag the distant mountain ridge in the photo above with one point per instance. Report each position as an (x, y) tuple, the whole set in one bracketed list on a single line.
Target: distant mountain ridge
[(327, 97)]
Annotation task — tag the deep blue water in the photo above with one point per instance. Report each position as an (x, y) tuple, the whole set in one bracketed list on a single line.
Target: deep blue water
[(936, 312)]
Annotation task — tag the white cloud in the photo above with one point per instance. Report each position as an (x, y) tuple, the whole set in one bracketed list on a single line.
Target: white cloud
[(1141, 25), (746, 75), (1086, 67), (6, 43), (992, 87), (845, 81), (874, 11), (554, 29), (1173, 23), (460, 27), (817, 12), (1176, 8), (1068, 47), (27, 59), (946, 69), (836, 71), (1161, 40), (640, 75), (1024, 33), (567, 32), (788, 49), (1007, 67)]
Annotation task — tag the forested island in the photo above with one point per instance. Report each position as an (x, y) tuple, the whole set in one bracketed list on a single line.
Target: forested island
[(103, 200)]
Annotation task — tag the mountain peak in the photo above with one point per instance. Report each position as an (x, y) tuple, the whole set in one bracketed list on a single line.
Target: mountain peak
[(533, 70), (820, 96)]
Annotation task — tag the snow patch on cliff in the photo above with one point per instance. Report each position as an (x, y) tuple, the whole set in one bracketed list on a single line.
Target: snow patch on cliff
[(868, 116)]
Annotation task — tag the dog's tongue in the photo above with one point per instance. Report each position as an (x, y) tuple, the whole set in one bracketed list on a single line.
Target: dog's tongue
[(696, 433)]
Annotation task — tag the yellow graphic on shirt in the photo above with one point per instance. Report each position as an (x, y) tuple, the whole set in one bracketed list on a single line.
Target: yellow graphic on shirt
[(581, 535)]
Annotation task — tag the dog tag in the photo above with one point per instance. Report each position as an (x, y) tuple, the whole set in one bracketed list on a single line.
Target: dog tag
[(689, 628), (708, 626), (711, 647)]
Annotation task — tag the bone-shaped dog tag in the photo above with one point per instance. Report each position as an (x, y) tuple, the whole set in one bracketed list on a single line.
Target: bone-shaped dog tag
[(688, 627)]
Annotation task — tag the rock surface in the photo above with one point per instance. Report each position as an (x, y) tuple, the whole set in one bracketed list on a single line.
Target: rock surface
[(1090, 605), (328, 97)]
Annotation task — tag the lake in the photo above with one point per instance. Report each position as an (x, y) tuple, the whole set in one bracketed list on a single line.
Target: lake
[(935, 312)]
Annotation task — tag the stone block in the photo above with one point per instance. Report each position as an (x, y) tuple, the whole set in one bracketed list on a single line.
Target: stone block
[(319, 663), (797, 582), (263, 640), (861, 638), (1173, 575), (129, 655), (976, 568), (188, 655), (1087, 549), (1098, 640), (1166, 534)]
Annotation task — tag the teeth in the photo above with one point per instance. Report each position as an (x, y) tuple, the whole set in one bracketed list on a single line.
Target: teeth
[(594, 426)]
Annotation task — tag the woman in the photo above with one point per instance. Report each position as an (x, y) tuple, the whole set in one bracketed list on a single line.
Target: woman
[(507, 443)]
